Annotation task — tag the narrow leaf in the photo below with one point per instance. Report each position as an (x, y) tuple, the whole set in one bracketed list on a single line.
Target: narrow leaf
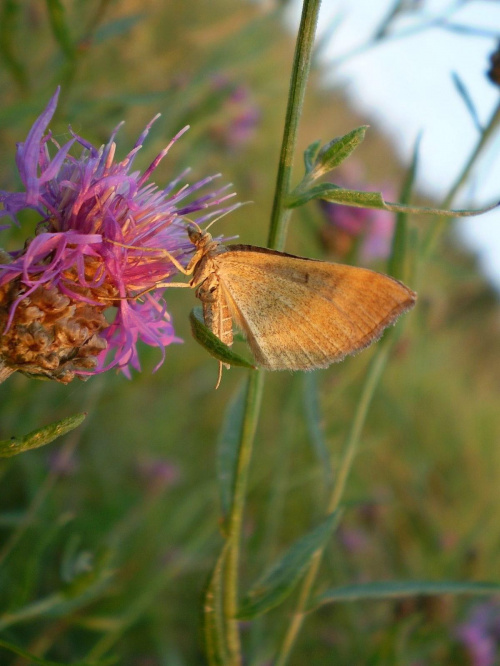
[(213, 614), (335, 152), (40, 437), (399, 250), (314, 423), (227, 449), (44, 662), (310, 155), (467, 99), (118, 27), (281, 579), (397, 589), (340, 195), (204, 336), (60, 28)]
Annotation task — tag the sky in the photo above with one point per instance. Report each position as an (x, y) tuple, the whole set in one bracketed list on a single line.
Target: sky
[(406, 86)]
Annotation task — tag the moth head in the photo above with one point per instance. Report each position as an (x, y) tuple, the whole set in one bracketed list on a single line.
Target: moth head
[(197, 236)]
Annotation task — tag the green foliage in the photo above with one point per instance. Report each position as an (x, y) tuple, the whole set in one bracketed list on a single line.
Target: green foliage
[(402, 589), (40, 437), (276, 585)]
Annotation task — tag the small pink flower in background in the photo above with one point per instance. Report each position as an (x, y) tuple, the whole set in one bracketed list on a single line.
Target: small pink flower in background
[(100, 241), (158, 473), (353, 539), (480, 634), (347, 226), (241, 115)]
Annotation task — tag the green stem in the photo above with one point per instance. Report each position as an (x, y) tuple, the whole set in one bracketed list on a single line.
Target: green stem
[(440, 223), (350, 449), (253, 402), (277, 234), (300, 72)]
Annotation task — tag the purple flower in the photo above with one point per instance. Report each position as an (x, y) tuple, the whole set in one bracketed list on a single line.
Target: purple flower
[(241, 115), (480, 634), (105, 240), (345, 226), (158, 473)]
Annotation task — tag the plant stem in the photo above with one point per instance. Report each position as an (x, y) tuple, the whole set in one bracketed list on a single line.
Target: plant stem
[(374, 373), (439, 223), (350, 449), (253, 402), (300, 72), (276, 240)]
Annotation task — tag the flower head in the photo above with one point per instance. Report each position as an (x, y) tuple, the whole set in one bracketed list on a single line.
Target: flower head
[(106, 234)]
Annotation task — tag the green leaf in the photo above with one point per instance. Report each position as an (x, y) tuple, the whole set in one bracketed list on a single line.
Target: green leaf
[(314, 423), (335, 152), (40, 437), (204, 336), (45, 662), (60, 28), (340, 195), (118, 27), (397, 589), (468, 101), (310, 155), (281, 579), (399, 251), (227, 449), (213, 614)]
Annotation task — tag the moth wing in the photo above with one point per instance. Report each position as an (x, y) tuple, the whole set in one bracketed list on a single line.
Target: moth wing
[(300, 314)]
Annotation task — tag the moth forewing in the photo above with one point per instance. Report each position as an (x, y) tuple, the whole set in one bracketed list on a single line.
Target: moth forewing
[(301, 314)]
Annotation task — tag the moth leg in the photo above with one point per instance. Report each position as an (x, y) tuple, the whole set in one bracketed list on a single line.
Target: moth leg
[(164, 253)]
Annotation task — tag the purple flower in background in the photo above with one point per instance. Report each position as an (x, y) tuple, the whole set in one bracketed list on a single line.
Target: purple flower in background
[(158, 473), (241, 114), (100, 245), (480, 634), (346, 226)]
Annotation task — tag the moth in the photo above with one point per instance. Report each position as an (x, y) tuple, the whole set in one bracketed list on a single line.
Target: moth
[(296, 313)]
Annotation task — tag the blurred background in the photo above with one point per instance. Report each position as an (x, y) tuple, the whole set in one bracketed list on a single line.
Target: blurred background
[(108, 535)]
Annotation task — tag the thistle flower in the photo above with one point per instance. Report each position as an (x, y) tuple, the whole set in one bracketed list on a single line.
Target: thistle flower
[(101, 240)]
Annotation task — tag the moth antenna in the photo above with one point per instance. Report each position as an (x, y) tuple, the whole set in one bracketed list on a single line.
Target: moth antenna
[(226, 212)]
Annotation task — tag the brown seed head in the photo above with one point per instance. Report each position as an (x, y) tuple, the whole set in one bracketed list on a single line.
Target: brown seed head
[(51, 336)]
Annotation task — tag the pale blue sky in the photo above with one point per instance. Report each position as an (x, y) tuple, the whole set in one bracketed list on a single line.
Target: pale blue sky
[(406, 87)]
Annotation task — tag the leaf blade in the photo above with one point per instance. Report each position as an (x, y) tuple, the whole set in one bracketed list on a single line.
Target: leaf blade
[(209, 341), (280, 580), (397, 589), (40, 437)]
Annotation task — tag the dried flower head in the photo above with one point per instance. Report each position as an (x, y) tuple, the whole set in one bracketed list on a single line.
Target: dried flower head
[(100, 241)]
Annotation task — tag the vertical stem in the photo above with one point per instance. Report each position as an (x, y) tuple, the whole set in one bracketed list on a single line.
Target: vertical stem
[(300, 72), (277, 233), (253, 402), (350, 449)]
